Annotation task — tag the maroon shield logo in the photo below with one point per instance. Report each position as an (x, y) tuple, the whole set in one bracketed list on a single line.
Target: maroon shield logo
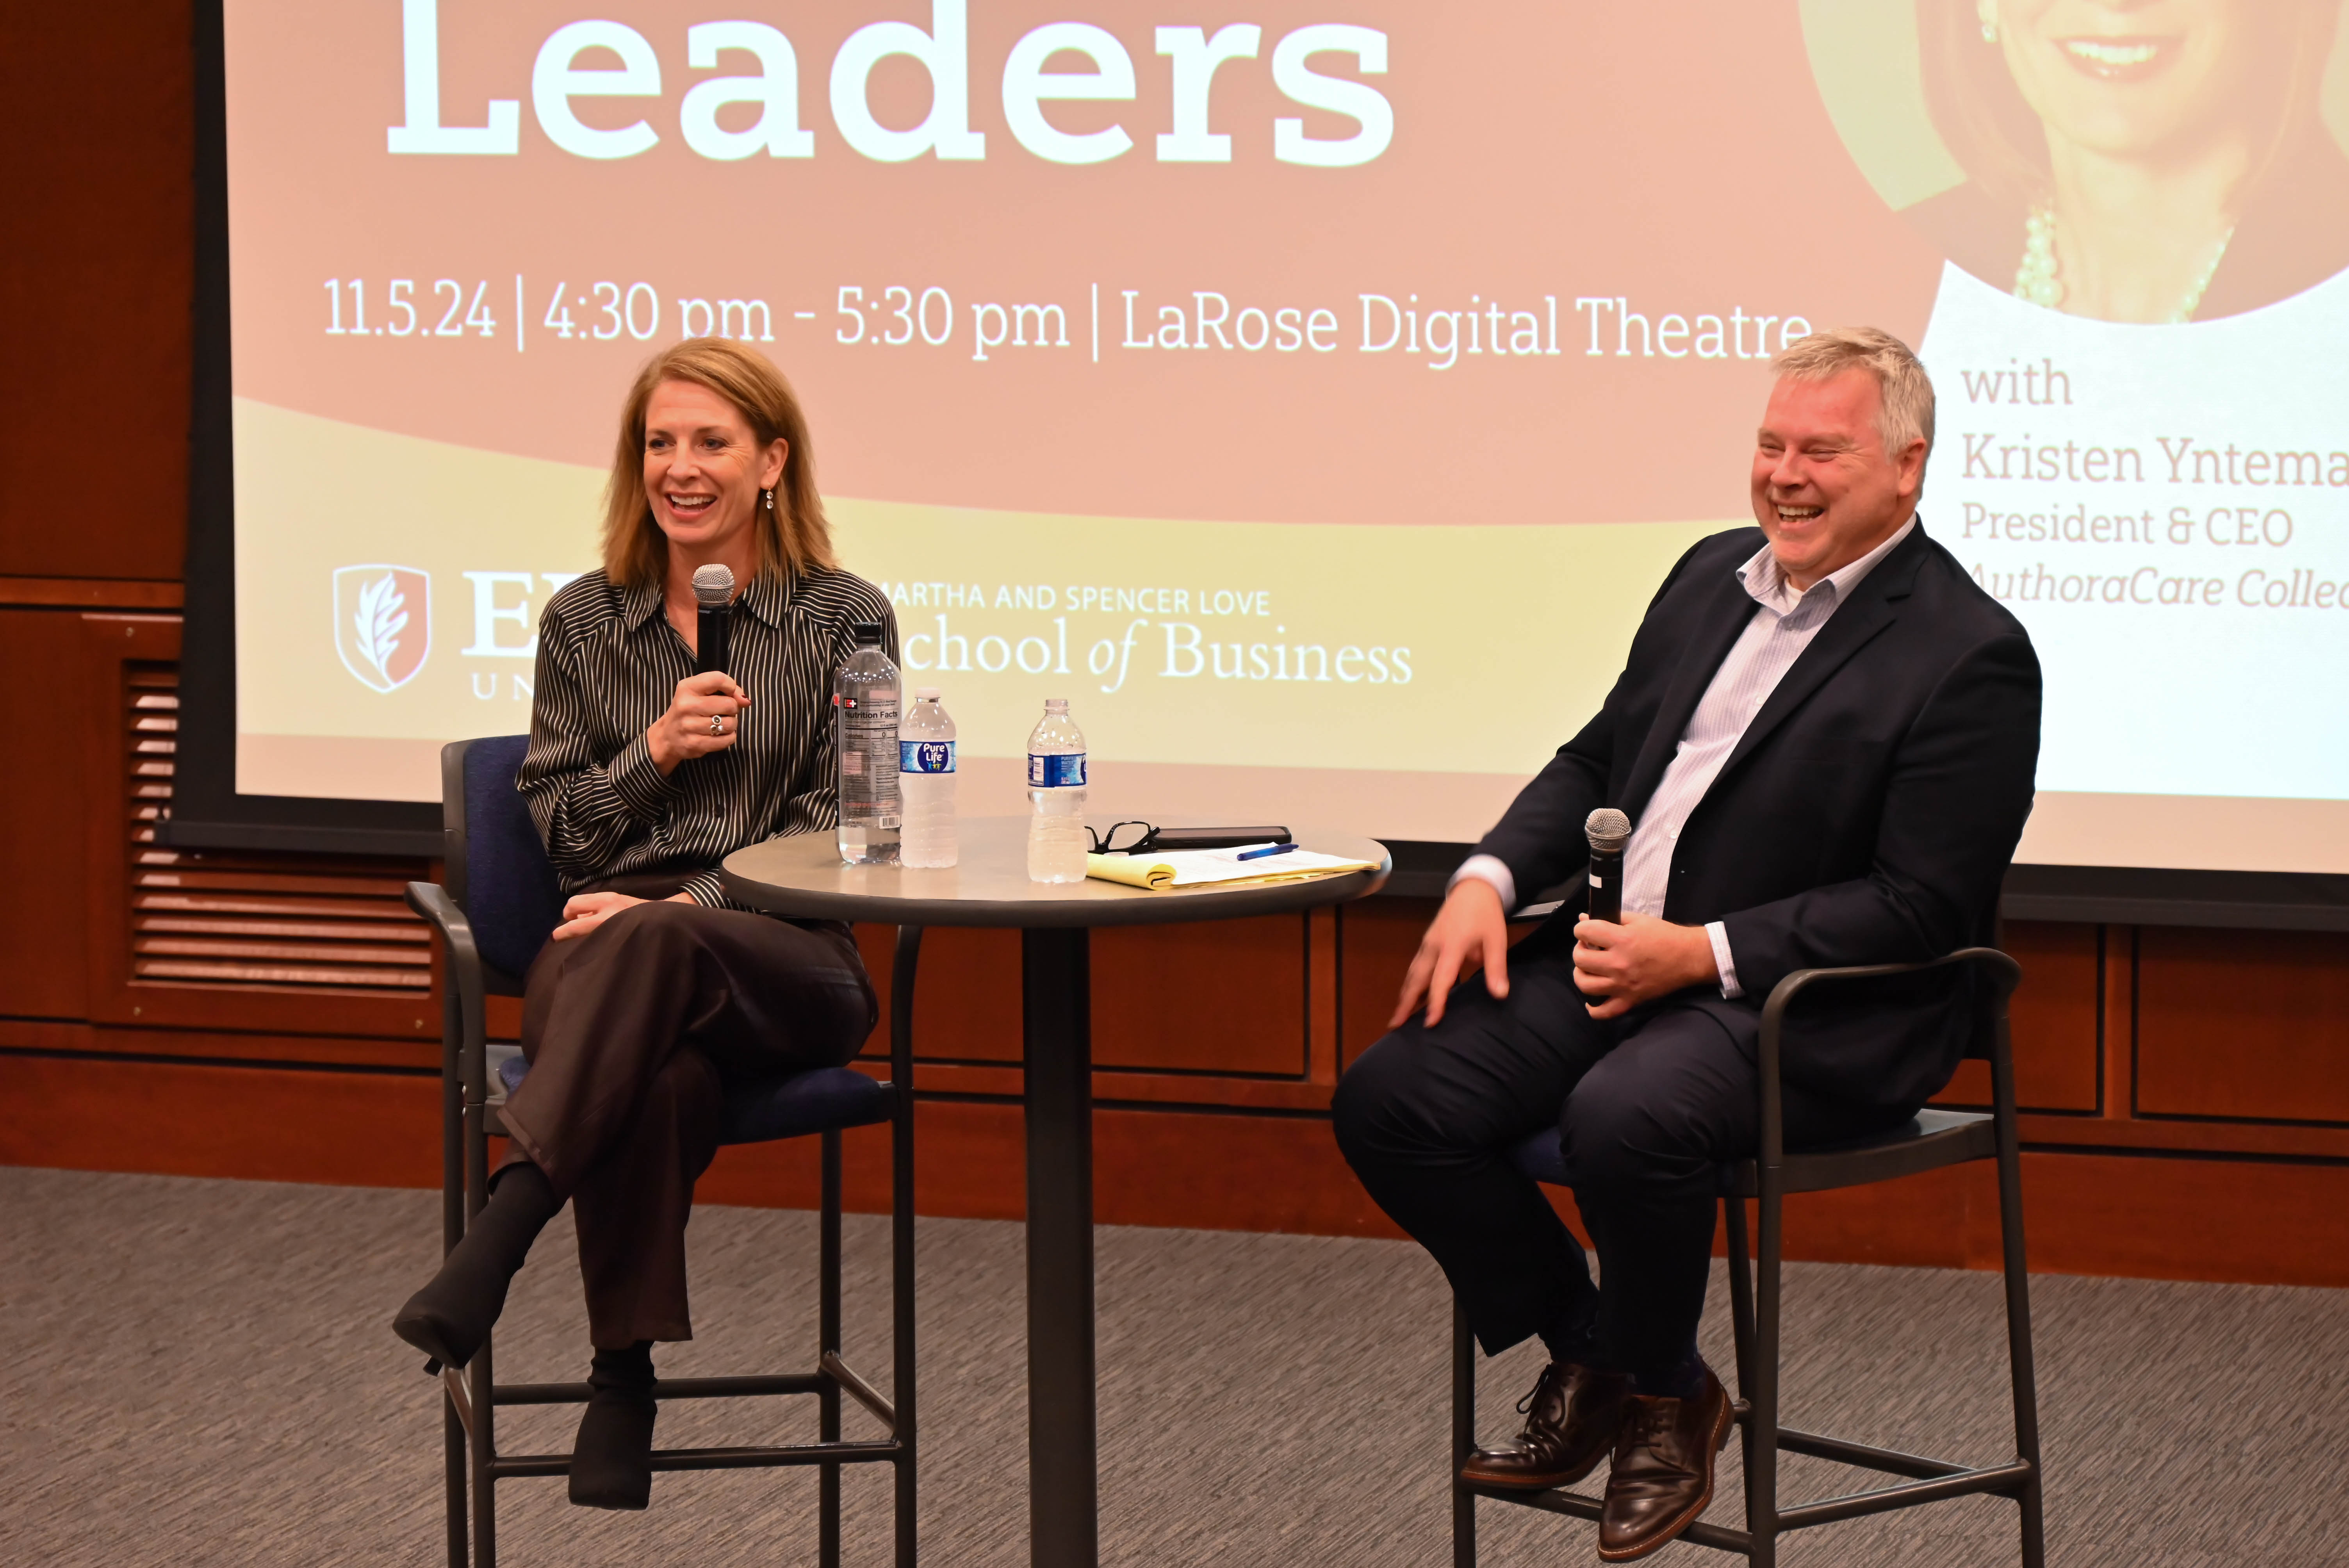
[(383, 623)]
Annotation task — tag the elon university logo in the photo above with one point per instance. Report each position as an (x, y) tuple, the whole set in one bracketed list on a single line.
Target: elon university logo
[(383, 623)]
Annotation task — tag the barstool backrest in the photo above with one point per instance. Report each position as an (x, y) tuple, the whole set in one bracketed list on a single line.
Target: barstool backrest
[(498, 871)]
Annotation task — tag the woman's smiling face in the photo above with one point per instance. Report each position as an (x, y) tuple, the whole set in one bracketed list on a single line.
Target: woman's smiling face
[(704, 469), (2129, 77)]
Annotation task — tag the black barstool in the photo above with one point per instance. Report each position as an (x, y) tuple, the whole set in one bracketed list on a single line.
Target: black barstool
[(1934, 1139), (499, 901)]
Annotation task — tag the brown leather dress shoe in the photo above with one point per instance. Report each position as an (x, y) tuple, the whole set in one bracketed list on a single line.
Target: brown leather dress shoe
[(1570, 1422), (1662, 1479)]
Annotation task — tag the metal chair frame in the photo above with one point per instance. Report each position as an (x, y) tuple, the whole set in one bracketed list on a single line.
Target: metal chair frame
[(1939, 1139), (471, 1395)]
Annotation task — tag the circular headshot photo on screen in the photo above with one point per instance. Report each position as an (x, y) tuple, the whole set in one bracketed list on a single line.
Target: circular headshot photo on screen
[(2154, 162)]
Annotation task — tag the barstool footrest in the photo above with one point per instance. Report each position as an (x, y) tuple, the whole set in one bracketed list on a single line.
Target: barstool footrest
[(507, 1465), (750, 1387), (1892, 1462), (2005, 1481), (1949, 1481), (1577, 1506)]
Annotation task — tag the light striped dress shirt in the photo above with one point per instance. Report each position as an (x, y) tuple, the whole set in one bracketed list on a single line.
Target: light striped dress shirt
[(608, 663), (1784, 621)]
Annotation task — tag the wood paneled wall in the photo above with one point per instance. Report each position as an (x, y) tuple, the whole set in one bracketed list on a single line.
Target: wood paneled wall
[(2189, 1105), (96, 281)]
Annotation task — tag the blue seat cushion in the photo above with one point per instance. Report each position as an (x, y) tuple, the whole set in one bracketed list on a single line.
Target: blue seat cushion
[(513, 899), (817, 1101), (1959, 1135), (1541, 1157)]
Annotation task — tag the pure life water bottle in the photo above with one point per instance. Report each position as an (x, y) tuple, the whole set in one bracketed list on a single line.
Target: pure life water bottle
[(926, 773), (865, 709), (1056, 787)]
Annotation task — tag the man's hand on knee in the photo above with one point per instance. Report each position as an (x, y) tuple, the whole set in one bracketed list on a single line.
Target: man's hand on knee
[(1469, 932), (1619, 966)]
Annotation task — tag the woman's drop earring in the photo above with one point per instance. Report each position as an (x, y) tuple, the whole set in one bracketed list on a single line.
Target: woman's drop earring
[(1987, 11), (771, 501)]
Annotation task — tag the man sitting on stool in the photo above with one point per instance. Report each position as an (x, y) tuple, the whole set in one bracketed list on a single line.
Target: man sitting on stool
[(1824, 736)]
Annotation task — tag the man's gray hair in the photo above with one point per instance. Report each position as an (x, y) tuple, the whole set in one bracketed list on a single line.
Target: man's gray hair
[(1906, 410)]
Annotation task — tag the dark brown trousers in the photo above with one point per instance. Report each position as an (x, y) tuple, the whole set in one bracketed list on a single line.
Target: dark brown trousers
[(634, 1033)]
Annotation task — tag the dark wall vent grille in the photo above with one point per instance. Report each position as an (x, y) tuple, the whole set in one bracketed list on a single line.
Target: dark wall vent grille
[(247, 919)]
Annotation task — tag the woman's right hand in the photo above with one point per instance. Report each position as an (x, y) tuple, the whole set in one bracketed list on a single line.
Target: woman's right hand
[(685, 730)]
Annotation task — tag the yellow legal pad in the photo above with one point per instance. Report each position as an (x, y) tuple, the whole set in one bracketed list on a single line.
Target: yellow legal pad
[(1199, 868)]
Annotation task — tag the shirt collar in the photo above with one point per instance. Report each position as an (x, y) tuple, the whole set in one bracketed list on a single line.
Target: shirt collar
[(766, 599), (640, 603), (1766, 582)]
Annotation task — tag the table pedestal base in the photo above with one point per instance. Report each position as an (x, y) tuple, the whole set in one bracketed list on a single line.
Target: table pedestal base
[(1057, 1003)]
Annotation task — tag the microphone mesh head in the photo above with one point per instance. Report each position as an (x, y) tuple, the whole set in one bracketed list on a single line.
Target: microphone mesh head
[(713, 585), (1608, 829)]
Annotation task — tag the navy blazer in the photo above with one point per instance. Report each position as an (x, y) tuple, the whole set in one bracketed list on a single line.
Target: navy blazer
[(1866, 816)]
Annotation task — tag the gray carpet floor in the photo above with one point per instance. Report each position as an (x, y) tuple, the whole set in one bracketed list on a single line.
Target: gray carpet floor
[(201, 1373)]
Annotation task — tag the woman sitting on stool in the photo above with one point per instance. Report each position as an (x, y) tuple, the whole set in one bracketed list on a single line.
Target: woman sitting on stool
[(655, 993)]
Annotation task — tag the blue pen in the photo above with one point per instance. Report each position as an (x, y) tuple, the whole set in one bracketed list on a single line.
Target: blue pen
[(1267, 850)]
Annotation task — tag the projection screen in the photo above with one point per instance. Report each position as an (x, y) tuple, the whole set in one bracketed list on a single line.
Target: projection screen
[(1315, 395)]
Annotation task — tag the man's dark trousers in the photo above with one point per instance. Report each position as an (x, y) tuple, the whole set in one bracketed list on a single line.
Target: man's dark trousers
[(1649, 1106)]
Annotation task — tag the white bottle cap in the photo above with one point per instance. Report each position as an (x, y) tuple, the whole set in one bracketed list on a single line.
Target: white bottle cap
[(925, 693)]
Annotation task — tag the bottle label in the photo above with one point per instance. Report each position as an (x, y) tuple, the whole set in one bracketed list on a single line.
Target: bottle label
[(1066, 770), (925, 756)]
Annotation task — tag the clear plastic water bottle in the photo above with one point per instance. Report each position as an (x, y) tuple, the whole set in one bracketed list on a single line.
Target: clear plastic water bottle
[(1056, 787), (925, 775), (864, 737)]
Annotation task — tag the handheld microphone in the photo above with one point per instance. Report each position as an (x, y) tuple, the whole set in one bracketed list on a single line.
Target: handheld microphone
[(713, 591), (1608, 832)]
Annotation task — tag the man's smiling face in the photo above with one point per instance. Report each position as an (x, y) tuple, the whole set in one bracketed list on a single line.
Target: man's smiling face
[(1824, 489)]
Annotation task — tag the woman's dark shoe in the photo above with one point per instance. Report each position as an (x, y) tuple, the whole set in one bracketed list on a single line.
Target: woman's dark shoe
[(611, 1459), (449, 1318)]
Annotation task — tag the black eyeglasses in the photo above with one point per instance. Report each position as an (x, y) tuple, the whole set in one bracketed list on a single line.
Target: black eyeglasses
[(1107, 844)]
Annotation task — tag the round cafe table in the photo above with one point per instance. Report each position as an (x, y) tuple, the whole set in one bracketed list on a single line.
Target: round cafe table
[(804, 876)]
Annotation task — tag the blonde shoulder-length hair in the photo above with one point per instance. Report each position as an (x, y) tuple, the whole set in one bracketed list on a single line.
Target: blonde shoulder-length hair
[(793, 536)]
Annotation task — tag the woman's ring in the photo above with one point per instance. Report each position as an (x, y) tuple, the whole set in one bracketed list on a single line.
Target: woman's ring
[(717, 724)]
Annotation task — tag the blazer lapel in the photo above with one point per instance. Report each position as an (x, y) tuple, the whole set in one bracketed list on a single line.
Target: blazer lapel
[(1851, 628), (1716, 623)]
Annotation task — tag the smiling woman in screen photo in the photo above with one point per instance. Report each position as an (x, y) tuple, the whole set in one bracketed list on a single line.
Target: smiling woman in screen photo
[(2137, 160)]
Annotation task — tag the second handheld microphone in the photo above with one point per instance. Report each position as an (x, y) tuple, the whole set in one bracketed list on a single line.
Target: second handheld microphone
[(713, 592), (1608, 832)]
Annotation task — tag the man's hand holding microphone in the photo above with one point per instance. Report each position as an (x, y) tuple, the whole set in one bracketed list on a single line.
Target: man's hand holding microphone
[(1620, 961)]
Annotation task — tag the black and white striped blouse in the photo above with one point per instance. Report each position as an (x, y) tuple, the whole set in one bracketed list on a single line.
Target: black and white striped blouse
[(608, 663)]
